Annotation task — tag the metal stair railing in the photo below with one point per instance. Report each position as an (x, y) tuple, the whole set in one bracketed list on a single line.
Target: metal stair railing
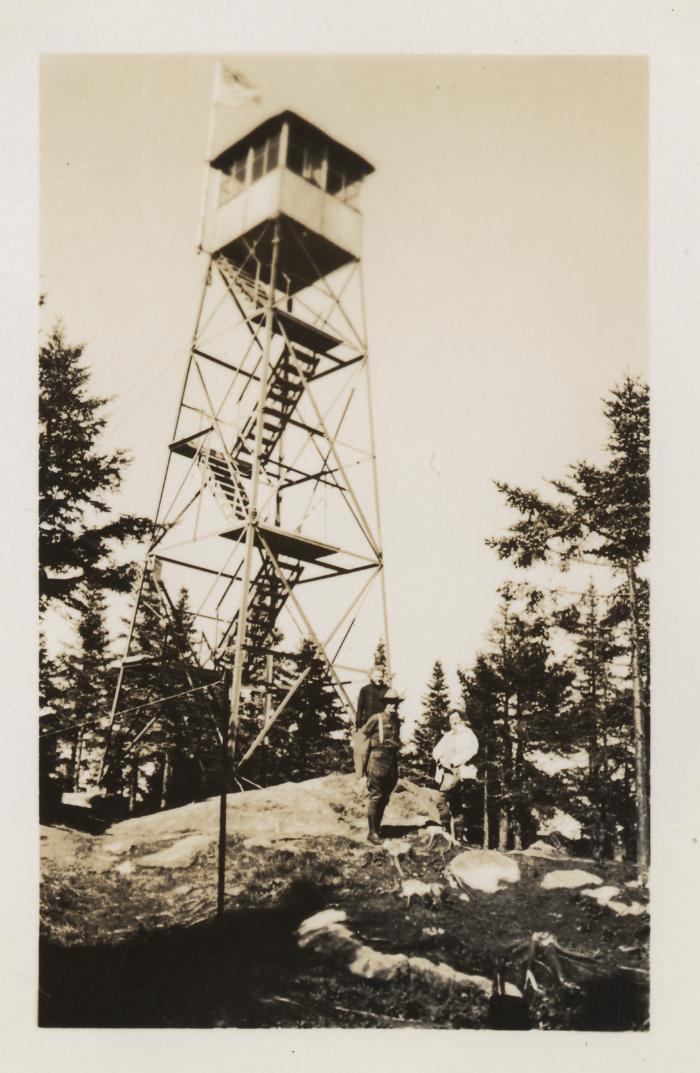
[(269, 597), (227, 492)]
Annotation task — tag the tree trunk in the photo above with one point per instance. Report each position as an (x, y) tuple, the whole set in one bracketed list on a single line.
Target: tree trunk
[(518, 751), (640, 752), (301, 756), (502, 825), (75, 758), (505, 778), (606, 812), (486, 832), (133, 783), (167, 779)]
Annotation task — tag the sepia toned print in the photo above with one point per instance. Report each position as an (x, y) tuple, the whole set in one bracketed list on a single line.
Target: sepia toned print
[(344, 536)]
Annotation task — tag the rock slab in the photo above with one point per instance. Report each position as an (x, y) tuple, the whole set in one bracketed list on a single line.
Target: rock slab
[(483, 869)]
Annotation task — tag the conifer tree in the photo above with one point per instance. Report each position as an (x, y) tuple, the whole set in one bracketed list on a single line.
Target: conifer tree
[(380, 657), (432, 723), (308, 739), (317, 728), (89, 690), (517, 697), (601, 725), (52, 722), (601, 512), (481, 704), (77, 535), (174, 726)]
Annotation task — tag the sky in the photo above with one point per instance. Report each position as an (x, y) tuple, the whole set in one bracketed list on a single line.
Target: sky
[(505, 262)]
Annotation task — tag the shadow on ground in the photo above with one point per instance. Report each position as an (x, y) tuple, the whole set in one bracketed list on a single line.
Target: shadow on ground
[(202, 976)]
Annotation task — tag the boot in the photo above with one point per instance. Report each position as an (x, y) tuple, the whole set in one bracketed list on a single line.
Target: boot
[(373, 824)]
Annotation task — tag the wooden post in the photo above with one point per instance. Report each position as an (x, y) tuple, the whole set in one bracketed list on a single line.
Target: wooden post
[(221, 870), (269, 659)]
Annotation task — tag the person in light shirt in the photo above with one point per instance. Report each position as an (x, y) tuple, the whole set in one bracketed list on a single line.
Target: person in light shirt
[(452, 754)]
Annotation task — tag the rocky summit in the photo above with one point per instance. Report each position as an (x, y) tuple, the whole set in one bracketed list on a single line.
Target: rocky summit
[(322, 929)]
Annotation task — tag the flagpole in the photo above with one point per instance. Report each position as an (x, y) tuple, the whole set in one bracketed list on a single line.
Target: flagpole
[(207, 170)]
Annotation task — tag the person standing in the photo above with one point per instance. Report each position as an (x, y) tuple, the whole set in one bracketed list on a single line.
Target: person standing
[(453, 753), (382, 733), (370, 700)]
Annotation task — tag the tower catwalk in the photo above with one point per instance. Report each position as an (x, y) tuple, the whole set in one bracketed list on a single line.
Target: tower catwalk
[(268, 513)]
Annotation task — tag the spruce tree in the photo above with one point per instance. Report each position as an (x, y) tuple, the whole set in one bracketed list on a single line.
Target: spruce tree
[(53, 721), (601, 512), (309, 739), (77, 535), (165, 747), (432, 723), (380, 658), (90, 684), (480, 703), (517, 697), (601, 724)]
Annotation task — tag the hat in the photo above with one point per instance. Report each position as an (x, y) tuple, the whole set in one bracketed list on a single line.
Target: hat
[(391, 694)]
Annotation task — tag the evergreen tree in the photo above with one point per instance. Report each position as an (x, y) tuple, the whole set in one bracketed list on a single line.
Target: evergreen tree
[(167, 751), (481, 704), (309, 738), (380, 659), (518, 700), (602, 513), (75, 480), (52, 722), (318, 730), (602, 725), (90, 686), (432, 723)]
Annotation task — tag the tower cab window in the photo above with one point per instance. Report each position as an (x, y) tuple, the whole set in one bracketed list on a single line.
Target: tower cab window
[(307, 161), (263, 158), (233, 182), (340, 186)]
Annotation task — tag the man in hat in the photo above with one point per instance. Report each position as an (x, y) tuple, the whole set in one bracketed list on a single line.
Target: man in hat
[(453, 753), (382, 733), (370, 700)]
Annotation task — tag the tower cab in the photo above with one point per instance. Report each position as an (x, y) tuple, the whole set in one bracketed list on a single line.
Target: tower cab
[(289, 170)]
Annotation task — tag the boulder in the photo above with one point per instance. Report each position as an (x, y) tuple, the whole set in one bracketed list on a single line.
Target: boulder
[(326, 934), (568, 878), (180, 855), (543, 849), (373, 965), (483, 869), (606, 896)]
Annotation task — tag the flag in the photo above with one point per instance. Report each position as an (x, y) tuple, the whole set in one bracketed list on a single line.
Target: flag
[(233, 89)]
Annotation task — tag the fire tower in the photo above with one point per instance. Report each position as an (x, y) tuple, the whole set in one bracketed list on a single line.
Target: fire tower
[(269, 511)]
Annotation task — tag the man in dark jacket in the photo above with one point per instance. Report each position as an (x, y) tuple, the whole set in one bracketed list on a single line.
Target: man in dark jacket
[(382, 732), (370, 700)]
